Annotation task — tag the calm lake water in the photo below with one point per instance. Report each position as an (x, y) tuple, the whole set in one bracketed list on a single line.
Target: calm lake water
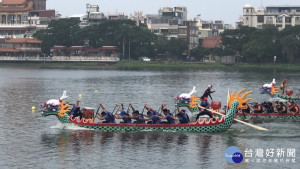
[(31, 141)]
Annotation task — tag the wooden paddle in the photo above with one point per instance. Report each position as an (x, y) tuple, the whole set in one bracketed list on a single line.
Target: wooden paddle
[(240, 121)]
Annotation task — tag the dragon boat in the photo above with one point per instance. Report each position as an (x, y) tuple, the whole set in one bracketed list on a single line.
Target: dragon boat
[(61, 110), (268, 116), (272, 90), (216, 106)]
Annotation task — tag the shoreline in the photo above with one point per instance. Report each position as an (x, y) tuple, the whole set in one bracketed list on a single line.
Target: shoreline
[(140, 65)]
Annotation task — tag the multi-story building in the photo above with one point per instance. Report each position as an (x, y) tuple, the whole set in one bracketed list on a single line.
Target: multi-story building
[(20, 18), (93, 13), (173, 23), (39, 4), (207, 29), (280, 16), (19, 47), (167, 21), (116, 16), (138, 17)]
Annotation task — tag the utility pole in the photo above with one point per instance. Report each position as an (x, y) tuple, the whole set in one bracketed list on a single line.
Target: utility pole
[(123, 47), (129, 47)]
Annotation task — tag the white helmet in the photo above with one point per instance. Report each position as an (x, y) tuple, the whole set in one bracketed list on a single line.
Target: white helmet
[(210, 86)]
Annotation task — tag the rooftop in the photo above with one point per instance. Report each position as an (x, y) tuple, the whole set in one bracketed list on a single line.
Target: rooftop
[(4, 49), (13, 2), (212, 42), (14, 8), (23, 40), (282, 6)]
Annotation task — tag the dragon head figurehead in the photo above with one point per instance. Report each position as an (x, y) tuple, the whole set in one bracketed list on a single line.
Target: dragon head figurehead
[(193, 102), (56, 107), (188, 100), (241, 99), (270, 88)]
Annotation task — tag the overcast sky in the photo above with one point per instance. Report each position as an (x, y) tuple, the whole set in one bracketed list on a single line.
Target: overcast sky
[(226, 10)]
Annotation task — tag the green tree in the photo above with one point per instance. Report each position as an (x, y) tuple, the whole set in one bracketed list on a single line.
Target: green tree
[(65, 32), (262, 46), (290, 42), (235, 39), (176, 48), (199, 53)]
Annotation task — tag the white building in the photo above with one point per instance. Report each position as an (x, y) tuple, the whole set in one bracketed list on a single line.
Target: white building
[(280, 16), (93, 13), (167, 21)]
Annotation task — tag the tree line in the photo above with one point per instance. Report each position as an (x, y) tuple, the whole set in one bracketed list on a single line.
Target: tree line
[(261, 45), (124, 34), (250, 44)]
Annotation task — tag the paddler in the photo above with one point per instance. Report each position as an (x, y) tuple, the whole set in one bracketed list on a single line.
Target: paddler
[(292, 107), (168, 116), (246, 108), (106, 115), (281, 108), (122, 114), (152, 115), (208, 91), (182, 116), (257, 108), (137, 116)]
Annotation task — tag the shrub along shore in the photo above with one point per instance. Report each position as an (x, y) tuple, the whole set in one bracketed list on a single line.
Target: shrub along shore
[(139, 65)]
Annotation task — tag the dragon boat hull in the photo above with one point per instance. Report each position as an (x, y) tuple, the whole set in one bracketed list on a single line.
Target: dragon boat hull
[(267, 116), (205, 125)]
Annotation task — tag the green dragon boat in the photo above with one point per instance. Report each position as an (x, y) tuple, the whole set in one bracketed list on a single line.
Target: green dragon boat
[(61, 110)]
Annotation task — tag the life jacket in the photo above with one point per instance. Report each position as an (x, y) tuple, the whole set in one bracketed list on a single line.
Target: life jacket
[(204, 103), (185, 118), (138, 119), (296, 105), (126, 119), (111, 117), (281, 108), (170, 119), (206, 92)]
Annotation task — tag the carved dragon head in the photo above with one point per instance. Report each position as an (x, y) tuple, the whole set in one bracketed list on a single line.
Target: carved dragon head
[(192, 102), (56, 107), (270, 89)]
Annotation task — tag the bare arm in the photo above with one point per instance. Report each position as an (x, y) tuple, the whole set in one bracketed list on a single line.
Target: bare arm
[(102, 107), (163, 106), (148, 107), (133, 109), (161, 117), (100, 117)]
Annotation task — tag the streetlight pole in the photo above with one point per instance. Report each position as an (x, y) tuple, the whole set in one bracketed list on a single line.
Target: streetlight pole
[(123, 47), (129, 46)]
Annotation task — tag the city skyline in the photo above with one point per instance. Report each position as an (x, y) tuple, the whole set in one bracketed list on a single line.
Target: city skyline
[(228, 11)]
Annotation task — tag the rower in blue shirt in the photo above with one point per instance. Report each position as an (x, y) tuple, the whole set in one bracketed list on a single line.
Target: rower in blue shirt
[(137, 116), (105, 115), (182, 116), (122, 114), (168, 116), (152, 115)]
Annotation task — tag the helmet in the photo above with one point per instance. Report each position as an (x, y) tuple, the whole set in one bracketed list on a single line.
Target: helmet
[(210, 86)]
